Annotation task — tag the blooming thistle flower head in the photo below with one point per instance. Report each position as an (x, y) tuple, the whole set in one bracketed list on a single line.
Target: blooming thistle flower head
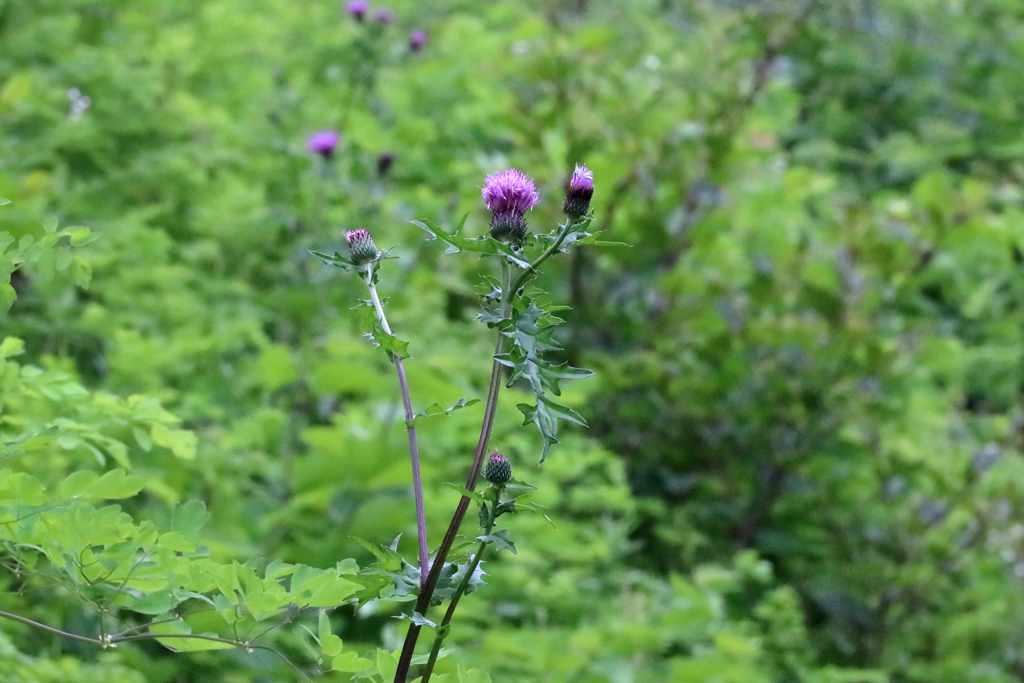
[(357, 8), (361, 247), (498, 470), (417, 39), (384, 16), (579, 192), (323, 143), (509, 195)]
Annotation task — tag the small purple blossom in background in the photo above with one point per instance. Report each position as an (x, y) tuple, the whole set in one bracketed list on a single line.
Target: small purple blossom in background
[(384, 16), (509, 195), (579, 192), (357, 8), (323, 143), (417, 39), (361, 247), (384, 163)]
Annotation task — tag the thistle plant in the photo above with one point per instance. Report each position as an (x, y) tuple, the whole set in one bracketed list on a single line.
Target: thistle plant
[(524, 331)]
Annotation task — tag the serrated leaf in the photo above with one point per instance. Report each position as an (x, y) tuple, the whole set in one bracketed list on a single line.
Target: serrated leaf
[(436, 410), (465, 492), (546, 414), (417, 619), (500, 540)]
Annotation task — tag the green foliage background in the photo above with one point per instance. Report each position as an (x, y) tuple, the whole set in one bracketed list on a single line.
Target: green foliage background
[(805, 454)]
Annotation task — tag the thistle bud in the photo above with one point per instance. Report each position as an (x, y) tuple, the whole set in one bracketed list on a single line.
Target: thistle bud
[(509, 195), (579, 192), (498, 471), (361, 247)]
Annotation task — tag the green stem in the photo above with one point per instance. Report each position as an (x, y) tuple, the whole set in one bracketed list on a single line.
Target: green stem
[(532, 270), (414, 448), (442, 630)]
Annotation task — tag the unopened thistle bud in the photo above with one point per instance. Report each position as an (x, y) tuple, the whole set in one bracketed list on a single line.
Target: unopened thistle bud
[(579, 192), (498, 471), (361, 247), (509, 195)]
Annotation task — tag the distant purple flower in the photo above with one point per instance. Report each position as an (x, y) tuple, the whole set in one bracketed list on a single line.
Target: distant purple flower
[(384, 16), (579, 192), (357, 8), (323, 143), (417, 39), (509, 195), (361, 247)]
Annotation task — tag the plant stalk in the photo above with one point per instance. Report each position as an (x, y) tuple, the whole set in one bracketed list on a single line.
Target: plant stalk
[(423, 602), (509, 290), (442, 630), (414, 448)]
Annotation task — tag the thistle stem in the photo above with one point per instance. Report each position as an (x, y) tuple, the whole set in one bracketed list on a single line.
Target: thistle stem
[(427, 591), (442, 630), (570, 223), (414, 448)]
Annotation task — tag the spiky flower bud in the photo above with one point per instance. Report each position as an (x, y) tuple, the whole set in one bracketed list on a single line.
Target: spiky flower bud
[(579, 192), (498, 471), (361, 246), (509, 195)]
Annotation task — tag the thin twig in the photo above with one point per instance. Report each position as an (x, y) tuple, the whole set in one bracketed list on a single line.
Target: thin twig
[(108, 641)]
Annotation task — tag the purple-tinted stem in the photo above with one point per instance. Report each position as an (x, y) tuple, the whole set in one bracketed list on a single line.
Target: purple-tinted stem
[(427, 591), (417, 480), (410, 430)]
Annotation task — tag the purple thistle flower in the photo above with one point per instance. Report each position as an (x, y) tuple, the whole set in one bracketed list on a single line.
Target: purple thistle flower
[(361, 247), (384, 16), (579, 191), (357, 8), (323, 143), (417, 39), (509, 195)]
